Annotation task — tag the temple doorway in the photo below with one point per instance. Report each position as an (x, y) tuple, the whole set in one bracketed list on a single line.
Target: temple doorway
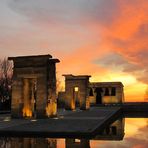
[(98, 92), (29, 97), (76, 96)]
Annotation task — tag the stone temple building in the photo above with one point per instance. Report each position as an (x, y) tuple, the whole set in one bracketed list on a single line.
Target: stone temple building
[(106, 92), (34, 86), (79, 92), (76, 91)]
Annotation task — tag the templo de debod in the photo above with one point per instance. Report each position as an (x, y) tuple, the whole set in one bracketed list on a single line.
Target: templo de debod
[(34, 89), (34, 86), (80, 93)]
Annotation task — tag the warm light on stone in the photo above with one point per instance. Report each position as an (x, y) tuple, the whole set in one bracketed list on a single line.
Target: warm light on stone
[(27, 112), (34, 86), (76, 89), (76, 92), (51, 109)]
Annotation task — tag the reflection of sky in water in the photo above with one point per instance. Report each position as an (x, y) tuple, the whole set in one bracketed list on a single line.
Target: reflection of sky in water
[(136, 136)]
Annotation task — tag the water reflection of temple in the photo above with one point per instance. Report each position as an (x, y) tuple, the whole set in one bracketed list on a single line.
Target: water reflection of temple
[(28, 143), (115, 131), (77, 143)]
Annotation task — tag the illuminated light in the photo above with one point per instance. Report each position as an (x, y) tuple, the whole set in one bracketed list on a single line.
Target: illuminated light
[(61, 117), (33, 120), (27, 112), (77, 140), (7, 119), (51, 109), (72, 103), (76, 89), (56, 118)]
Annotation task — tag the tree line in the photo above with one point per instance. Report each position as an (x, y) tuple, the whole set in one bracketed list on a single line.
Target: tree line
[(5, 84)]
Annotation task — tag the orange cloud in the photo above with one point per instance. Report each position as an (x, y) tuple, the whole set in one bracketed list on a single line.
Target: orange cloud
[(126, 34)]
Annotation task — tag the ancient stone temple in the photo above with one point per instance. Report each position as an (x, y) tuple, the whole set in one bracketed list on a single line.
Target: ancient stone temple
[(79, 89), (34, 86), (106, 92), (76, 91)]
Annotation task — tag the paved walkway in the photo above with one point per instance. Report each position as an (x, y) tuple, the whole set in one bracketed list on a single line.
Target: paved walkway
[(68, 124)]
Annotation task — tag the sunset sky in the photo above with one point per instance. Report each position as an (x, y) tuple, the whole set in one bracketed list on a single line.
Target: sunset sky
[(107, 39)]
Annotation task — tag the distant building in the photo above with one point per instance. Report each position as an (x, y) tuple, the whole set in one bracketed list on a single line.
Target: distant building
[(34, 86), (106, 92), (80, 91), (76, 91)]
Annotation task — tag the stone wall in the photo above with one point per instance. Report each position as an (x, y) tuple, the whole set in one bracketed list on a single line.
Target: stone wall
[(111, 92), (88, 92), (34, 86), (80, 95)]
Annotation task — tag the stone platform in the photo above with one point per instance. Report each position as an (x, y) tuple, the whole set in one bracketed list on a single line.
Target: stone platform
[(80, 124)]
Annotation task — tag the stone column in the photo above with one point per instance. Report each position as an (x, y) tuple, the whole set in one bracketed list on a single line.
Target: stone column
[(41, 100), (16, 103), (84, 94), (119, 94), (69, 98)]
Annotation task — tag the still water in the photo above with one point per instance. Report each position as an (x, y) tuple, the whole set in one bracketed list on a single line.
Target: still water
[(123, 133)]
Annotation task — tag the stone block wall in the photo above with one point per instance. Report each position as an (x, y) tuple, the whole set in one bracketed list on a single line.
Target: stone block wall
[(80, 95), (34, 86), (118, 97)]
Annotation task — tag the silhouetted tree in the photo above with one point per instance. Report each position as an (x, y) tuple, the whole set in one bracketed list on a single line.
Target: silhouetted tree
[(59, 88), (5, 83)]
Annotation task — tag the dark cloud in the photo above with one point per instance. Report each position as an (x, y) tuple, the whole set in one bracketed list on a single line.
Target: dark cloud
[(112, 59), (135, 64)]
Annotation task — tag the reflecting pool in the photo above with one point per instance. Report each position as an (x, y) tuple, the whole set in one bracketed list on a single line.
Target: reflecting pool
[(136, 136), (123, 133)]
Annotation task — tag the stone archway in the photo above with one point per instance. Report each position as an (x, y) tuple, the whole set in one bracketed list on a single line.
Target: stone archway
[(34, 86), (29, 97), (77, 91)]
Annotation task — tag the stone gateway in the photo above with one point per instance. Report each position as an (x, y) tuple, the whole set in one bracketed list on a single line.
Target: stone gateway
[(34, 86)]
